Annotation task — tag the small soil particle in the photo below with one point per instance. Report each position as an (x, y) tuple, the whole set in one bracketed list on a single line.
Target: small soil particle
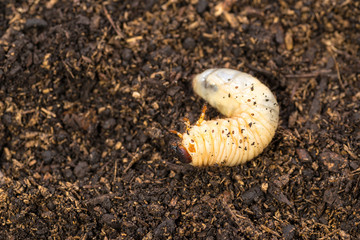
[(47, 156), (189, 43), (81, 169), (111, 220), (109, 124), (251, 195), (289, 232), (35, 23), (201, 6)]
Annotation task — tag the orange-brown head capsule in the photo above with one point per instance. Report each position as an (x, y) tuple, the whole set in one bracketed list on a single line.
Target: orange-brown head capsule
[(181, 153)]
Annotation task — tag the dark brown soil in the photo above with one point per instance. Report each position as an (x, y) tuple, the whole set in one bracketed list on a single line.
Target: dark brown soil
[(88, 90)]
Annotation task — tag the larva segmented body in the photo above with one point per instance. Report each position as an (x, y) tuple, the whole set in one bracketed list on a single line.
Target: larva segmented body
[(252, 117)]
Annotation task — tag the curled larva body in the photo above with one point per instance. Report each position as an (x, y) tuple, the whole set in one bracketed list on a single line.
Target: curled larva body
[(252, 115)]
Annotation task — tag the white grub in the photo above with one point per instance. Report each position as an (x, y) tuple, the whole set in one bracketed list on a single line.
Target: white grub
[(252, 115)]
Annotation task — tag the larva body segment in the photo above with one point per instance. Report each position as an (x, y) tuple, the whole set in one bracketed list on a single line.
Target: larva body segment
[(252, 117)]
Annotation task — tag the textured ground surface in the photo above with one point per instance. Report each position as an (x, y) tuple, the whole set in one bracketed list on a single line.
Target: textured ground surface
[(88, 89)]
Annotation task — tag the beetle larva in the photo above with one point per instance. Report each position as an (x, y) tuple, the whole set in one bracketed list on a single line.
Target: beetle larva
[(252, 115)]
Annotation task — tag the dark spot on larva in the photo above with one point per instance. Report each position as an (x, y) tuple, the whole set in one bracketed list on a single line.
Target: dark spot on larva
[(249, 100), (267, 100), (212, 131), (252, 114), (275, 104), (239, 146), (228, 120), (245, 148), (236, 97), (229, 79), (236, 87), (232, 132), (229, 95), (240, 141), (253, 144), (192, 140), (250, 124), (217, 123), (252, 88), (205, 130), (254, 103), (245, 138), (270, 110), (245, 85), (242, 130), (222, 131), (224, 97)]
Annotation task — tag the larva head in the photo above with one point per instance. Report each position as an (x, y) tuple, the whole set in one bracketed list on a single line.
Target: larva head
[(213, 86), (181, 153)]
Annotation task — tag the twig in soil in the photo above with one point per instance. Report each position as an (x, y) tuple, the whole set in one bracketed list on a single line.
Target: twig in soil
[(264, 72), (356, 171), (350, 152), (236, 217), (115, 170), (266, 229), (179, 168), (293, 91), (316, 102), (327, 236), (337, 69), (100, 199), (223, 6), (116, 28), (331, 49), (135, 158), (309, 75), (240, 220), (48, 113), (68, 69)]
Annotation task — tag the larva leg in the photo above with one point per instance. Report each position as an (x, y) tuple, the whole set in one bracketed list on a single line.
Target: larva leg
[(187, 123), (177, 133), (202, 116)]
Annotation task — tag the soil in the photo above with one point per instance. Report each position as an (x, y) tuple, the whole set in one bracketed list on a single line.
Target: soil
[(89, 90)]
